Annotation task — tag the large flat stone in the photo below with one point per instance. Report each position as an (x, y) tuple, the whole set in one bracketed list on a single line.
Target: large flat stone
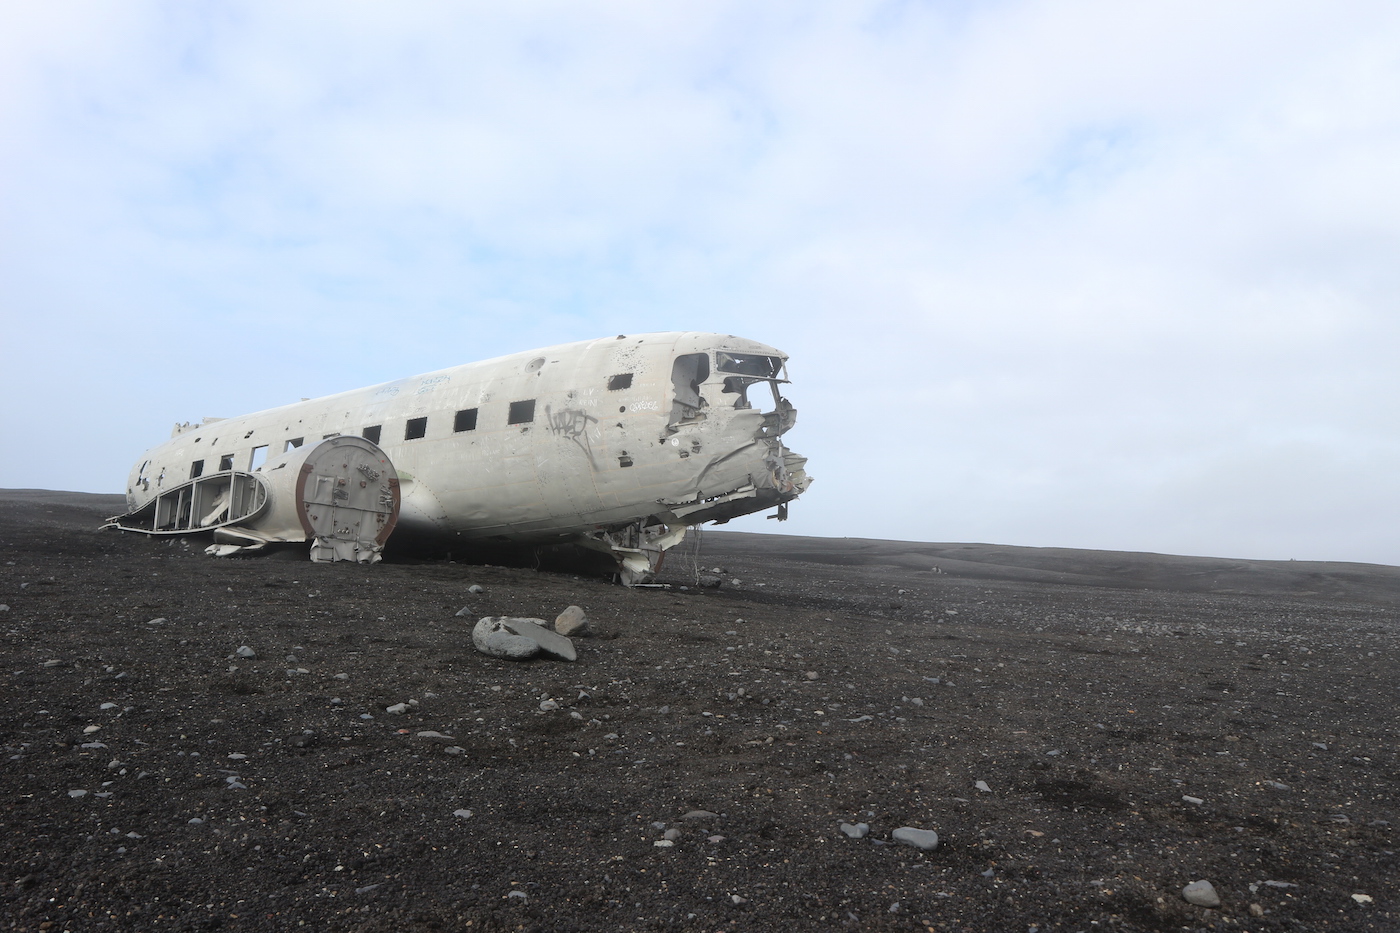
[(550, 642), (491, 637)]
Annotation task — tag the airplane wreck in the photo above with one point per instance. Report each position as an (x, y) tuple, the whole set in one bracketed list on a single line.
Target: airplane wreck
[(617, 445)]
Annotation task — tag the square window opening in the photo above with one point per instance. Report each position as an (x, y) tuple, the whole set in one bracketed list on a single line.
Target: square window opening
[(465, 420), (522, 412), (292, 443), (371, 433), (259, 458), (416, 428), (620, 381), (226, 462), (196, 469)]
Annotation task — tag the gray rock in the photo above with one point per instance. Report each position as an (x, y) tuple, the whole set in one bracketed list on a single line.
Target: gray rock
[(476, 589), (535, 631), (856, 830), (1201, 893), (464, 814), (465, 612), (572, 621), (700, 815), (925, 839), (245, 652), (983, 787), (77, 793), (397, 708), (428, 735), (490, 636), (672, 834)]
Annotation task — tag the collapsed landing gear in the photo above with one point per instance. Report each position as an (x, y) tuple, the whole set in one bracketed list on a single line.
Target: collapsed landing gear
[(638, 548)]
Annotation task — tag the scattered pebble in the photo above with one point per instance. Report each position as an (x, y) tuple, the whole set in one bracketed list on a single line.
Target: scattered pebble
[(983, 786), (464, 814), (1193, 800), (1276, 785), (465, 612), (1201, 893), (77, 793), (245, 652), (925, 839), (429, 735), (548, 706), (700, 815), (91, 729), (476, 589), (663, 843), (108, 706), (1362, 899), (856, 830), (397, 708)]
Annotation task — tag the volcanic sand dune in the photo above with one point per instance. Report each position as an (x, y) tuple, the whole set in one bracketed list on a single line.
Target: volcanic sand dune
[(1140, 722)]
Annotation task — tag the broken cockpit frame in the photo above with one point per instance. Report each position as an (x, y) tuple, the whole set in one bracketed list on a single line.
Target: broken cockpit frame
[(748, 467)]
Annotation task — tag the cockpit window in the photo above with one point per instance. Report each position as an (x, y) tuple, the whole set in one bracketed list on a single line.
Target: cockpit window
[(748, 364), (687, 373)]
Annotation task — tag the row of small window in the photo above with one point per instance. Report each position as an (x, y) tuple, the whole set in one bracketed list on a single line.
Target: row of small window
[(464, 420), (414, 428)]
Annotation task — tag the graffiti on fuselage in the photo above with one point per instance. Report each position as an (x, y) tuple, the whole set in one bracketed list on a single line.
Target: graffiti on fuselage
[(572, 423)]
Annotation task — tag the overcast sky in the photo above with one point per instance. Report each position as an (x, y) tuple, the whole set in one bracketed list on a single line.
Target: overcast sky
[(1080, 274)]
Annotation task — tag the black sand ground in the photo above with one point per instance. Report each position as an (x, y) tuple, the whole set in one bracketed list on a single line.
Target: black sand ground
[(1140, 722)]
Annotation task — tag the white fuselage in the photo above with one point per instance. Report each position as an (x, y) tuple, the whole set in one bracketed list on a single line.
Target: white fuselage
[(549, 444)]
